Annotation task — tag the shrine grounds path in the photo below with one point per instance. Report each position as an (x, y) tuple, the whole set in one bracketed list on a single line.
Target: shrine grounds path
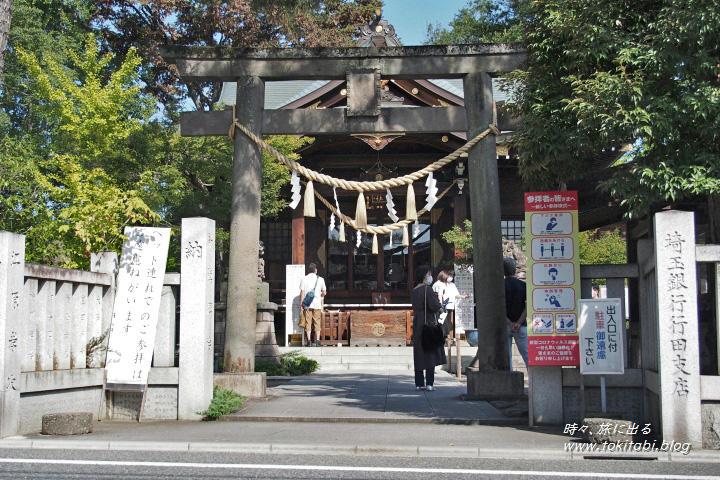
[(352, 413)]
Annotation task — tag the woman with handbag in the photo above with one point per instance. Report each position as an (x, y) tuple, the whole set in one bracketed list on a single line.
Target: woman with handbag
[(428, 341), (450, 296)]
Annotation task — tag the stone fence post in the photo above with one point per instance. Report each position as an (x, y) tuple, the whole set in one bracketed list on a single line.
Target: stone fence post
[(678, 346), (109, 264), (197, 312), (12, 277)]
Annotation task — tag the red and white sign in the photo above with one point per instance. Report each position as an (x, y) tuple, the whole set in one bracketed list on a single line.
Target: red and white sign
[(553, 277)]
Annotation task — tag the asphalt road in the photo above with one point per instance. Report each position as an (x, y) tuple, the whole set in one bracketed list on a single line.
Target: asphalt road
[(17, 464)]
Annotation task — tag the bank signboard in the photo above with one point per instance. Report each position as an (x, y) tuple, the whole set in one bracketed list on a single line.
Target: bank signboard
[(553, 277)]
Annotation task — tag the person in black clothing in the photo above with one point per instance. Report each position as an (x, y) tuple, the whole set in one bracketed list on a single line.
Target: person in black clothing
[(424, 303), (515, 298)]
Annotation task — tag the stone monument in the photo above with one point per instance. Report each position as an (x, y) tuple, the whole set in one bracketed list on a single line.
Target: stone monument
[(253, 384), (266, 347)]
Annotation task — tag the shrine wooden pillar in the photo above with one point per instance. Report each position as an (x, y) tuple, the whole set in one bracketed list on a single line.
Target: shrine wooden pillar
[(298, 236), (459, 213)]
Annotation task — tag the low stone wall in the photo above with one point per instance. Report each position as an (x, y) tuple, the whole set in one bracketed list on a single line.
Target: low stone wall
[(36, 404), (710, 412), (623, 401), (624, 395), (160, 404)]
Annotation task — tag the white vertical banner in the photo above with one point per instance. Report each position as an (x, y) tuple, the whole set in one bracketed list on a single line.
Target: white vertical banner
[(293, 276), (464, 307), (137, 305)]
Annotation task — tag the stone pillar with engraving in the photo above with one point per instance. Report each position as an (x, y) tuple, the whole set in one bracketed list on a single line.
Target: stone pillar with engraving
[(197, 312), (678, 349), (102, 301), (12, 276)]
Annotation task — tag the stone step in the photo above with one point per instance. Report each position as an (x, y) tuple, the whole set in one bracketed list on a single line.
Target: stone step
[(362, 367), (379, 358), (363, 351)]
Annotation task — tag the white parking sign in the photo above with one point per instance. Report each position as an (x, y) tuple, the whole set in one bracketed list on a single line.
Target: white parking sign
[(601, 337)]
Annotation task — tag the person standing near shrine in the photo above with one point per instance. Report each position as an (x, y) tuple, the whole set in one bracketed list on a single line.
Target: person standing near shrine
[(447, 292), (439, 288), (450, 295), (425, 304), (311, 305), (440, 285), (516, 310)]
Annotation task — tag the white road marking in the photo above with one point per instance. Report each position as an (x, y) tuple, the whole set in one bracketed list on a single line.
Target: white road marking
[(250, 466)]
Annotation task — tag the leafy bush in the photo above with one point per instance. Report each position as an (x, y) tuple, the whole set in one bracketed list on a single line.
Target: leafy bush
[(302, 366), (606, 248), (223, 402), (291, 363), (272, 369)]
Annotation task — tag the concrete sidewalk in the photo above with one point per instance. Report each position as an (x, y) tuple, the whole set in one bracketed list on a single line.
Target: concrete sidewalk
[(378, 413), (375, 397)]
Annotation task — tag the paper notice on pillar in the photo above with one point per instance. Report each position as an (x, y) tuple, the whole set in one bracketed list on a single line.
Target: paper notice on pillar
[(137, 305), (601, 337), (293, 276), (464, 307)]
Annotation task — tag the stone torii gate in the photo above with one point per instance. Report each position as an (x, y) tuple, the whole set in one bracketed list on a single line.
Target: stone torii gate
[(362, 68)]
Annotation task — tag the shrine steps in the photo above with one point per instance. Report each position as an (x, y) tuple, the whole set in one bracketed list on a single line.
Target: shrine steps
[(361, 359), (357, 358)]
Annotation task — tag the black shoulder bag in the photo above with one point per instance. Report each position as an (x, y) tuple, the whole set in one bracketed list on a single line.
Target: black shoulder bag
[(432, 336)]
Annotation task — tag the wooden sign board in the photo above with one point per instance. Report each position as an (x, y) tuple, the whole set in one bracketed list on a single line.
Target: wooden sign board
[(383, 329)]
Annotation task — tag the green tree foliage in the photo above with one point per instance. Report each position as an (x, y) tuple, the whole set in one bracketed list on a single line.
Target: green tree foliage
[(192, 176), (149, 25), (81, 154), (482, 21), (6, 7), (607, 248), (604, 73), (89, 112), (50, 28), (462, 239)]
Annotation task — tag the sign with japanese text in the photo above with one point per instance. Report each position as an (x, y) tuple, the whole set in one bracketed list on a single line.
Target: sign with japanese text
[(553, 277), (601, 337), (293, 276), (137, 305), (464, 307), (678, 335)]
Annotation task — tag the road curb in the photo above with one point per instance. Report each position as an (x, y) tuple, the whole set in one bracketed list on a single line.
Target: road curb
[(497, 422), (349, 450)]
